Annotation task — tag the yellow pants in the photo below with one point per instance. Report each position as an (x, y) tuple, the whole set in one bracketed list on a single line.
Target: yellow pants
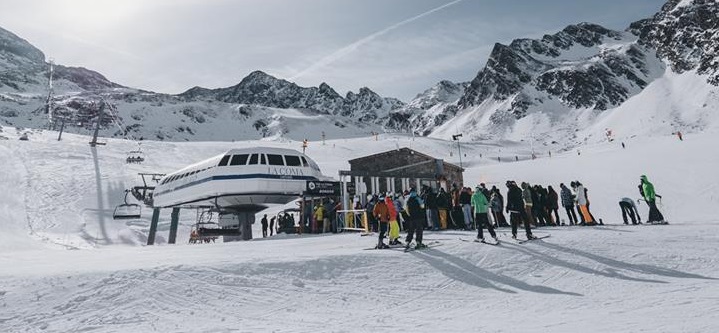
[(585, 212), (393, 230), (443, 219)]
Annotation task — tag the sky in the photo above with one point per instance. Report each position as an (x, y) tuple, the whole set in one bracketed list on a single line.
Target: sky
[(397, 48)]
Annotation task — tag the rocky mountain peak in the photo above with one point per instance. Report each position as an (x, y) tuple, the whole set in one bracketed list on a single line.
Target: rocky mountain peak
[(12, 44), (686, 34)]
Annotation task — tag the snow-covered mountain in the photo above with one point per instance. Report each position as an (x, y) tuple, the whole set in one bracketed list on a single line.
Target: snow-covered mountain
[(429, 109), (557, 88), (259, 106), (562, 88)]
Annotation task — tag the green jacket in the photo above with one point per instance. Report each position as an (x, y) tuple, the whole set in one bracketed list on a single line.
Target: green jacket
[(479, 202), (648, 189)]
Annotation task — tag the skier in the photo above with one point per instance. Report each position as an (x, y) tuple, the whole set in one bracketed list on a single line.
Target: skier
[(647, 191), (539, 207), (553, 204), (496, 202), (629, 208), (264, 226), (528, 202), (442, 207), (479, 202), (381, 213), (415, 220), (568, 204), (369, 207), (465, 200), (516, 210), (393, 224), (430, 201)]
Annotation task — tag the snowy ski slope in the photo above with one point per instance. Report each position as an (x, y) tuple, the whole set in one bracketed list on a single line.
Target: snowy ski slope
[(58, 196)]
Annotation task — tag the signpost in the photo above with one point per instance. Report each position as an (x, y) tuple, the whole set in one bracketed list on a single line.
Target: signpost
[(321, 188)]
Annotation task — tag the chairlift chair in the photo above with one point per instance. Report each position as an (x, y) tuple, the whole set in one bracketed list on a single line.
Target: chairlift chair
[(126, 210), (135, 156)]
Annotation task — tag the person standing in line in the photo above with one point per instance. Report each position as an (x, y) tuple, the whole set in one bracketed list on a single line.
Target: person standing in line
[(465, 200), (319, 216), (647, 191), (442, 207), (576, 203), (488, 195), (516, 209), (582, 201), (586, 195), (393, 224), (264, 226), (528, 202), (430, 202), (629, 208), (381, 213), (496, 203), (568, 204), (553, 204), (415, 220), (479, 203)]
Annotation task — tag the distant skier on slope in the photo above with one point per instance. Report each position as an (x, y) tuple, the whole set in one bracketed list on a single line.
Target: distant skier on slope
[(647, 191), (516, 210), (629, 208), (480, 203)]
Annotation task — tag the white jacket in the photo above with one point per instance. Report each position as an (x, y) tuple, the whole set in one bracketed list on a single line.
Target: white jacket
[(581, 197)]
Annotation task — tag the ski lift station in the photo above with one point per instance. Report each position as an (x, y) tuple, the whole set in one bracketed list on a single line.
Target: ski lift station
[(398, 170), (232, 187), (235, 186)]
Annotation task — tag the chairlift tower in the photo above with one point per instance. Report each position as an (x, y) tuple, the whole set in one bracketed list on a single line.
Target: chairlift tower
[(459, 147), (50, 95), (94, 142)]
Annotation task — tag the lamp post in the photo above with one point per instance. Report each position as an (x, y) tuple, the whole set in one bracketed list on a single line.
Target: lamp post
[(459, 147)]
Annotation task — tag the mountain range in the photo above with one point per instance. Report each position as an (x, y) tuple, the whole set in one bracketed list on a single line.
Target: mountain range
[(569, 87)]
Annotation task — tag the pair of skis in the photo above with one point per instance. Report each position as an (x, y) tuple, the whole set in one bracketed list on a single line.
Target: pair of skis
[(430, 244), (482, 241)]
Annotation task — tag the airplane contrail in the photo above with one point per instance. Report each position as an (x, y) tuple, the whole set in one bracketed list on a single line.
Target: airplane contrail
[(334, 56)]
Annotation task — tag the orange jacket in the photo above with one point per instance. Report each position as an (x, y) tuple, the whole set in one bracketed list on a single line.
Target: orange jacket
[(381, 212)]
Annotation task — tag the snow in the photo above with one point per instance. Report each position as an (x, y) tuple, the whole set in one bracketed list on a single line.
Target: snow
[(58, 196)]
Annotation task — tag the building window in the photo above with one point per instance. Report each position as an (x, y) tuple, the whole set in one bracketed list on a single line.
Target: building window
[(225, 159), (275, 159), (292, 160), (239, 159)]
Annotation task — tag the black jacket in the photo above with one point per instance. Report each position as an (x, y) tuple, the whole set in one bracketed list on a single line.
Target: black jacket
[(514, 199)]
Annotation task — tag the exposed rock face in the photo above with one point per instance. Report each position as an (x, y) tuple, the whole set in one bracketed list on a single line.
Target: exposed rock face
[(428, 109), (583, 68), (686, 34)]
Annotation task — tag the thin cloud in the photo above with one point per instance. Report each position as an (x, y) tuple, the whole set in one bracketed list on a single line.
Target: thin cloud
[(354, 46)]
